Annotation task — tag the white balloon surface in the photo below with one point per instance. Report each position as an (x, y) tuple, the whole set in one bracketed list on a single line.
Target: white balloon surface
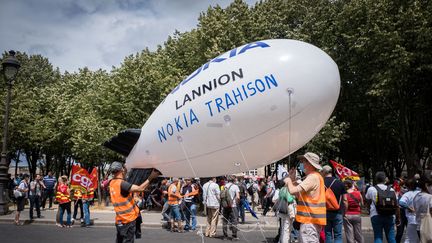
[(244, 109)]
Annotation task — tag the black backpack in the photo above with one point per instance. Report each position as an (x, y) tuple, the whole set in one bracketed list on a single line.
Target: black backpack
[(251, 189), (386, 203), (243, 190)]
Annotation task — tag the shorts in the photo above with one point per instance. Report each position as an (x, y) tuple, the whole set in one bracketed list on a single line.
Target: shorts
[(175, 212), (21, 203)]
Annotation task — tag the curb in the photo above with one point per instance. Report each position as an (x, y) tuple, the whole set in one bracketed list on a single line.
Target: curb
[(152, 225), (144, 224)]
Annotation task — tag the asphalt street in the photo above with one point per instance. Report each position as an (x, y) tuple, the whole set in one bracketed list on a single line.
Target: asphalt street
[(49, 233)]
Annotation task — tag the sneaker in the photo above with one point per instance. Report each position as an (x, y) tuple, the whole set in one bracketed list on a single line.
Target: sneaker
[(235, 238)]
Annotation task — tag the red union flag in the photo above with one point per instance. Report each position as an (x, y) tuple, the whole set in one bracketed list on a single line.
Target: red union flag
[(345, 173), (81, 179), (94, 178)]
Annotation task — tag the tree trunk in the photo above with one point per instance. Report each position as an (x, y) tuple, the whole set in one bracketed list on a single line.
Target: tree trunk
[(413, 164)]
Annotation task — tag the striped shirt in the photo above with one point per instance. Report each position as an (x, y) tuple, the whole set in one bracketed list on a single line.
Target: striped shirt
[(49, 182)]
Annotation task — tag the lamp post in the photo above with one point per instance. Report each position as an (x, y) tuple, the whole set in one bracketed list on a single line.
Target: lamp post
[(10, 69)]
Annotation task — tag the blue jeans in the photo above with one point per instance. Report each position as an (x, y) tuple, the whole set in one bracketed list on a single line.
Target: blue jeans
[(190, 213), (86, 207), (165, 211), (65, 207), (333, 229), (241, 210), (386, 223), (175, 212)]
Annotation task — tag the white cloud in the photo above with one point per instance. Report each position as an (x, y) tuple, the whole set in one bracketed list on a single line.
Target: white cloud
[(94, 33)]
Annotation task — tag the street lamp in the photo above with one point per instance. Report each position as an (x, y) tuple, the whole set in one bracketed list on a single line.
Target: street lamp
[(10, 69)]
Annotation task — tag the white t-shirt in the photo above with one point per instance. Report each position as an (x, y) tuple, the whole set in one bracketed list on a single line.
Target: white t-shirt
[(233, 189), (371, 194), (22, 186), (422, 202), (407, 201)]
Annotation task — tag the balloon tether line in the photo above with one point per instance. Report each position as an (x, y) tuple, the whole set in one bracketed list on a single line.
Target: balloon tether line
[(290, 92), (227, 120), (180, 140)]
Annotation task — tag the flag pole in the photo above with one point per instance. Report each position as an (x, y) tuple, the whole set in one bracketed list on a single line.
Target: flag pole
[(98, 186)]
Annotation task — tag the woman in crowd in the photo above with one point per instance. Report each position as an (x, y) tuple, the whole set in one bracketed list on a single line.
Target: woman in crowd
[(422, 203), (406, 202), (21, 195), (353, 201), (63, 198)]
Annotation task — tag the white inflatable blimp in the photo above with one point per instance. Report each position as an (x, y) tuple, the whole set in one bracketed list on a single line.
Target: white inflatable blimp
[(244, 109)]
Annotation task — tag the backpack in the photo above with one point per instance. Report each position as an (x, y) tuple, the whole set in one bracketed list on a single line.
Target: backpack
[(243, 190), (386, 203), (225, 197), (251, 189), (331, 201)]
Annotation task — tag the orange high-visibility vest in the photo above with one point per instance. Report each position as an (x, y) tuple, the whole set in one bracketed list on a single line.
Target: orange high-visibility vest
[(173, 198), (77, 194), (60, 196), (125, 208), (88, 195), (312, 210)]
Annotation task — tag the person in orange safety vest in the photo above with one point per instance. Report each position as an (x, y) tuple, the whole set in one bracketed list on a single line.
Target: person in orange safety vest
[(63, 198), (87, 200), (311, 206), (122, 198), (174, 200)]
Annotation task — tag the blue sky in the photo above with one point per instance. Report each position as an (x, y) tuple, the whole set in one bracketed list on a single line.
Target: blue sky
[(94, 33)]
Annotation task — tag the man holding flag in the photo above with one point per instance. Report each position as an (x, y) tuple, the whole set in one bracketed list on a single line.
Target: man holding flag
[(83, 181)]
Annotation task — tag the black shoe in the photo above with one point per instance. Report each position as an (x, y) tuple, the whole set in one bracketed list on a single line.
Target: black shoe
[(225, 237)]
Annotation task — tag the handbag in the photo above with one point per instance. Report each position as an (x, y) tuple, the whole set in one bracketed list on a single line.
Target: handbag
[(17, 193), (426, 227)]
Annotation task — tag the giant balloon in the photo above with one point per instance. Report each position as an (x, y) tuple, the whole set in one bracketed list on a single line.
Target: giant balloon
[(244, 109)]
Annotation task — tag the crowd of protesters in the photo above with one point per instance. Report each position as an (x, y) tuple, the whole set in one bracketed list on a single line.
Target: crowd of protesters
[(311, 204), (300, 200), (46, 191)]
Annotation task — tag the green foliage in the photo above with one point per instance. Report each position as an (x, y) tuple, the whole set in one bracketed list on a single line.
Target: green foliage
[(326, 142), (382, 47)]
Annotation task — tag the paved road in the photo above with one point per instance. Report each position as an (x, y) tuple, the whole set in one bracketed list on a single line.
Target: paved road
[(50, 233)]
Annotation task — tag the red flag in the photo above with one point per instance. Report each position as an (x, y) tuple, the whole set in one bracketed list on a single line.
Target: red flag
[(94, 178), (345, 173), (81, 179)]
